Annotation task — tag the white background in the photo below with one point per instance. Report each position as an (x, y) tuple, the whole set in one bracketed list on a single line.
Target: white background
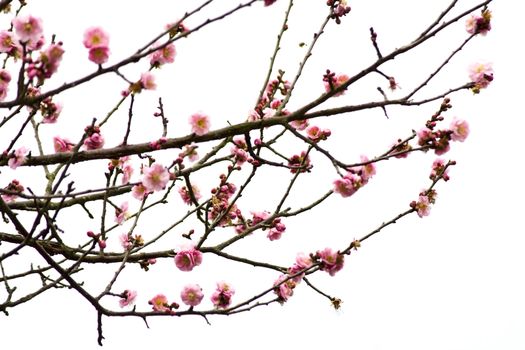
[(453, 280)]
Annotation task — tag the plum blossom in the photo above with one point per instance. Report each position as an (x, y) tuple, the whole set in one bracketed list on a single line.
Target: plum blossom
[(128, 298), (28, 28), (276, 230), (14, 186), (439, 169), (187, 258), (192, 295), (348, 184), (333, 81), (299, 124), (422, 206), (460, 130), (284, 290), (147, 81), (222, 296), (98, 54), (17, 157), (160, 303), (8, 43), (302, 261), (155, 177), (139, 191), (121, 213), (481, 75), (125, 241), (97, 41), (62, 144), (331, 261), (95, 36), (185, 194), (163, 56), (479, 24), (315, 134), (94, 141), (200, 123)]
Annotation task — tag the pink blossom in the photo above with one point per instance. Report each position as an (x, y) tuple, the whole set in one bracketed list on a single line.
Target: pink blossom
[(121, 213), (50, 111), (127, 171), (331, 261), (269, 2), (188, 258), (276, 230), (128, 298), (348, 185), (5, 77), (222, 296), (479, 24), (125, 241), (13, 186), (17, 158), (422, 206), (302, 261), (98, 54), (95, 37), (160, 303), (299, 124), (367, 170), (28, 28), (200, 123), (284, 290), (185, 194), (62, 144), (139, 192), (299, 163), (147, 81), (253, 115), (333, 81), (102, 243), (439, 169), (163, 56), (315, 134), (481, 74), (460, 130), (8, 44), (192, 295), (155, 177), (94, 141)]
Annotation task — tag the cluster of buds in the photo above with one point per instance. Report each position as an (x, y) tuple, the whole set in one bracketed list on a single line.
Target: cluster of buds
[(339, 9), (333, 81), (221, 202), (98, 239), (269, 102)]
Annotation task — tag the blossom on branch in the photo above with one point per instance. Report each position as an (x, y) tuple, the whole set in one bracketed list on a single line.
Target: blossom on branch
[(17, 157), (481, 75), (188, 258), (128, 298), (222, 297), (62, 144), (200, 123), (460, 130), (155, 177), (28, 28), (191, 294), (331, 261), (476, 24)]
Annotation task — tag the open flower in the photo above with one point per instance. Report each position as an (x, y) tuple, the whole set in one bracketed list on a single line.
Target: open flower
[(28, 28), (155, 177), (17, 158), (331, 261), (188, 258), (200, 123), (192, 295)]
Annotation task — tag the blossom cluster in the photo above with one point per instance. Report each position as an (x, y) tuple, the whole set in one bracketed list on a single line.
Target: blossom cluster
[(96, 40), (355, 178), (477, 24)]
